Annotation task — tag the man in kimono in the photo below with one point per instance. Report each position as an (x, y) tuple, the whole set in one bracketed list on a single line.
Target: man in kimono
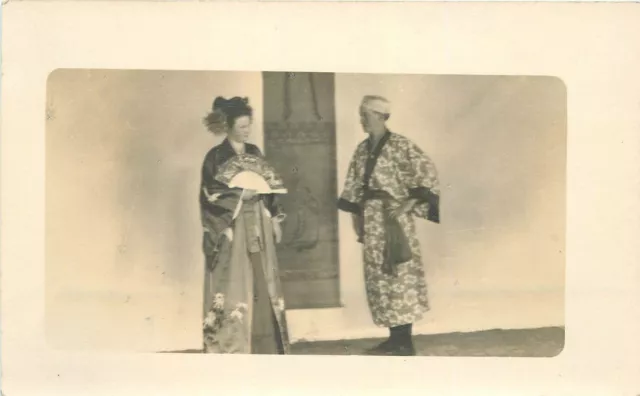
[(389, 182)]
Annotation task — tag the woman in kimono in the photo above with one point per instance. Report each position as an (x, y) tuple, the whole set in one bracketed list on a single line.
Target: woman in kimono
[(389, 181), (243, 301)]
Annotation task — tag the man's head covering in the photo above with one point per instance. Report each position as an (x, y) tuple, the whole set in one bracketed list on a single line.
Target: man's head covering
[(377, 104)]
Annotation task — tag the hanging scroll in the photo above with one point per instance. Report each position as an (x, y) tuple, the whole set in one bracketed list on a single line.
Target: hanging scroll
[(300, 141)]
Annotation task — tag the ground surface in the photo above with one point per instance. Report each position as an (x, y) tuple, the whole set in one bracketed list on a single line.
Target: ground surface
[(542, 342)]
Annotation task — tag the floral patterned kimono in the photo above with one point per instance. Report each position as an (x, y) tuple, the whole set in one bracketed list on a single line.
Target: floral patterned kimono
[(379, 180), (244, 308)]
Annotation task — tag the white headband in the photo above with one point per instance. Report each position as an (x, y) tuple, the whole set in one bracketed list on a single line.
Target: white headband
[(377, 104)]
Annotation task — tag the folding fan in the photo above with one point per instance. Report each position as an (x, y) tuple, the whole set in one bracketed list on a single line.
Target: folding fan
[(251, 173)]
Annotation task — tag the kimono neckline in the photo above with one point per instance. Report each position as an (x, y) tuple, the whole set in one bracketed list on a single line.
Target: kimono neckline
[(228, 146), (372, 158), (376, 150)]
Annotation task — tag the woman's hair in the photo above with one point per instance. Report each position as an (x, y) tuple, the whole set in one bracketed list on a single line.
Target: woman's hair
[(225, 112)]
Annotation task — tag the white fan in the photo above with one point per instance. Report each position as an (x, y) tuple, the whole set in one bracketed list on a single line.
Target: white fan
[(249, 180)]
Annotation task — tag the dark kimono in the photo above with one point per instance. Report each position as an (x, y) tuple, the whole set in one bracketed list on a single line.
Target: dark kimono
[(244, 308), (379, 180)]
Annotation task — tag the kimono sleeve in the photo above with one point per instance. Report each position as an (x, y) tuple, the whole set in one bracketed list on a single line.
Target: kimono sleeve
[(349, 200), (272, 202), (216, 214), (423, 184)]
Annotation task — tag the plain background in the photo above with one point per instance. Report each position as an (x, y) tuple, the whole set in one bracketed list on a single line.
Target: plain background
[(499, 144), (590, 46), (124, 240), (124, 151)]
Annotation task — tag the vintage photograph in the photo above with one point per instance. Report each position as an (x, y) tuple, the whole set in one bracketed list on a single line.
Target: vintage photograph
[(305, 213)]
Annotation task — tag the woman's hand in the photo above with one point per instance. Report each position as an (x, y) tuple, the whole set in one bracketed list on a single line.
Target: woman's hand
[(211, 198), (277, 230), (228, 232), (402, 209), (248, 194)]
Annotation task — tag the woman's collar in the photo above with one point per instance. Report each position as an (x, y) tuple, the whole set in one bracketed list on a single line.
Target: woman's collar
[(234, 146)]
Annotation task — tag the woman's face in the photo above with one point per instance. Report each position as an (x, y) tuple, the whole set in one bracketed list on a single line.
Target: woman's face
[(241, 129)]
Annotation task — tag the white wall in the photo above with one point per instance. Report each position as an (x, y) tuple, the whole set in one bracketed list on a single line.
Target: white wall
[(497, 259), (124, 263)]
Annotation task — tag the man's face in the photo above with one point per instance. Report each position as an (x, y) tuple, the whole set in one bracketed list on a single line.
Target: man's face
[(370, 120)]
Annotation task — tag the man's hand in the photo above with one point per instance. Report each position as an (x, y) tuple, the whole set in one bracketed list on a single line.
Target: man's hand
[(402, 209), (358, 225)]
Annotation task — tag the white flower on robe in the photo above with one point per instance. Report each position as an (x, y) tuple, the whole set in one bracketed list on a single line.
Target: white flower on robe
[(210, 320), (218, 301), (236, 314)]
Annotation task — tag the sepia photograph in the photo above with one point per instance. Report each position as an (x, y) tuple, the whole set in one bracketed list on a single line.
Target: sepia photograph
[(346, 197), (305, 213)]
